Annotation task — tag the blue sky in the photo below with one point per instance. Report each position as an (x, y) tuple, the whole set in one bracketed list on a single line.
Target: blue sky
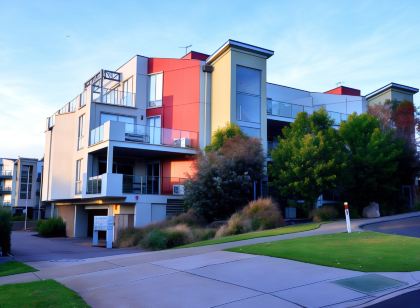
[(49, 48)]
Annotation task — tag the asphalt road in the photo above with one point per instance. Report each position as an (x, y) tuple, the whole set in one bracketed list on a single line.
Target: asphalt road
[(407, 227), (407, 300), (27, 247)]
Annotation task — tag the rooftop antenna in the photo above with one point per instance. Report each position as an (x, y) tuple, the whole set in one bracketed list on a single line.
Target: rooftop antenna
[(340, 83), (186, 48)]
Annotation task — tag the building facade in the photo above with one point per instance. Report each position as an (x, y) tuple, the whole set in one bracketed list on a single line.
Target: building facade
[(20, 185), (125, 145)]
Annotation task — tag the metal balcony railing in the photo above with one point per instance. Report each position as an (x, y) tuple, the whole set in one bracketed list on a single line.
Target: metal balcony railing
[(94, 185), (6, 173), (153, 185), (5, 189)]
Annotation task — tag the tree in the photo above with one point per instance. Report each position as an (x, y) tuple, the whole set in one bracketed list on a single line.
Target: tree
[(398, 115), (224, 179), (221, 135), (374, 160), (309, 159), (5, 231)]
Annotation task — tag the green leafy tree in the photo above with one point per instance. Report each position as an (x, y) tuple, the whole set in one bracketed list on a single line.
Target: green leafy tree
[(224, 179), (375, 161), (309, 159), (223, 134)]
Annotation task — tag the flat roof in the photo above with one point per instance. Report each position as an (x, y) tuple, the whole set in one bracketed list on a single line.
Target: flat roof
[(243, 46), (395, 86)]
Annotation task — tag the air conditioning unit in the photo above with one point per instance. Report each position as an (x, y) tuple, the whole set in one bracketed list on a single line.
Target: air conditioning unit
[(182, 142), (178, 190)]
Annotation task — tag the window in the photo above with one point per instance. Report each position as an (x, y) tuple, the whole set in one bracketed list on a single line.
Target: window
[(26, 182), (155, 90), (248, 94), (127, 94), (154, 129), (78, 181), (80, 132), (129, 121)]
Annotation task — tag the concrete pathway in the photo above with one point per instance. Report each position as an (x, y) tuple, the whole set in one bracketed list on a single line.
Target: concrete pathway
[(208, 277)]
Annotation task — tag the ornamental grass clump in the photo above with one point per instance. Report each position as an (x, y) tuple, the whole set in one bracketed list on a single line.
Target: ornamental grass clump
[(258, 215)]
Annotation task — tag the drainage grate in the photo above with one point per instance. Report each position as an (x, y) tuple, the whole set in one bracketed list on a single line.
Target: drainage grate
[(370, 283)]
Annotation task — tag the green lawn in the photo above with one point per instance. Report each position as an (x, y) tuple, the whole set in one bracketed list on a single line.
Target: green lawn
[(13, 267), (250, 235), (361, 251), (45, 293)]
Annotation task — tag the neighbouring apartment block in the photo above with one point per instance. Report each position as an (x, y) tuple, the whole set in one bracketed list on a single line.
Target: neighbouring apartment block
[(20, 185), (126, 144)]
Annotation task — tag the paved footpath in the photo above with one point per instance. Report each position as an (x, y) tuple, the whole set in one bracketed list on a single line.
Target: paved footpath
[(209, 277)]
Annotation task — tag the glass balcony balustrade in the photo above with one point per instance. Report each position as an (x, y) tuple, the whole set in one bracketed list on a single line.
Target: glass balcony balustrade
[(139, 184), (290, 110), (148, 135)]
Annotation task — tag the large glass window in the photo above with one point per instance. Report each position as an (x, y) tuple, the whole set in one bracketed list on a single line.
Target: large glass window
[(127, 95), (26, 182), (154, 129), (78, 180), (80, 132), (155, 90), (248, 80), (248, 94), (129, 121)]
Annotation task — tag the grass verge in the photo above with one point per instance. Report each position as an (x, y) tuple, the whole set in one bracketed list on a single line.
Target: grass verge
[(250, 235), (45, 293), (360, 251), (14, 267)]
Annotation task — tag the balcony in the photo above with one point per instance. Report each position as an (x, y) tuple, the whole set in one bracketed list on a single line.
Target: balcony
[(137, 133), (113, 97), (6, 203), (290, 111), (5, 189), (70, 107), (6, 174), (114, 184)]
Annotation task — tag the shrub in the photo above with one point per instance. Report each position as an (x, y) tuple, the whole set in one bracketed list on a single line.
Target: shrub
[(18, 217), (257, 215), (324, 213), (224, 179), (190, 218), (155, 239), (167, 238), (5, 231), (53, 227)]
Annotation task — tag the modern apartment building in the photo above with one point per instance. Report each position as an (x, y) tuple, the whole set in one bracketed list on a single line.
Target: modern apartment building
[(125, 144), (6, 181), (20, 185)]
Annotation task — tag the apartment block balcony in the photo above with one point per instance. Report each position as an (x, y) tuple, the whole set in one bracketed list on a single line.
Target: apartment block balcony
[(143, 134), (6, 174), (5, 189), (113, 97), (114, 184), (5, 203), (290, 111)]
